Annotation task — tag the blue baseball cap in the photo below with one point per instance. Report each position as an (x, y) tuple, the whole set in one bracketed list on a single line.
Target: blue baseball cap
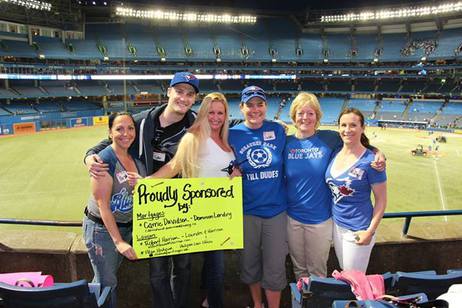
[(251, 92), (185, 77)]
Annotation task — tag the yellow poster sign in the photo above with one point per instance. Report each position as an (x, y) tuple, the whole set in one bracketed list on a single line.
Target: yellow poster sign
[(178, 216)]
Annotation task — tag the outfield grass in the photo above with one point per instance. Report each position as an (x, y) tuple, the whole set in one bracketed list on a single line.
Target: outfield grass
[(43, 177)]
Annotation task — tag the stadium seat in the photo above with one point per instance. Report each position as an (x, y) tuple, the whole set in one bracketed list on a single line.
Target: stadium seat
[(70, 295), (422, 298), (321, 292), (431, 284)]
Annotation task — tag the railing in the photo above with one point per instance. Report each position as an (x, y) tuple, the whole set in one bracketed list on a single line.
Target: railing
[(409, 215), (14, 221), (407, 222)]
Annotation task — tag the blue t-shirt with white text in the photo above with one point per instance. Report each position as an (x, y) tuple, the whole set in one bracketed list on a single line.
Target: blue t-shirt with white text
[(261, 150), (309, 199)]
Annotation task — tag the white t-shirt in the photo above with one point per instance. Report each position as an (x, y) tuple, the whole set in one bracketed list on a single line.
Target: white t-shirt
[(212, 159)]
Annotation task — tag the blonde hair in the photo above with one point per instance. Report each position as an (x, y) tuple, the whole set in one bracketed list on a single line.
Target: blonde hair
[(187, 155), (304, 99)]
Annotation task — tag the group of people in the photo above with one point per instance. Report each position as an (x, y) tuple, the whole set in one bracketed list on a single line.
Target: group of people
[(300, 192)]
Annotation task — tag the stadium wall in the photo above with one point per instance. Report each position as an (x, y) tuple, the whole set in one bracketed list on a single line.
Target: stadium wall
[(429, 246), (18, 124)]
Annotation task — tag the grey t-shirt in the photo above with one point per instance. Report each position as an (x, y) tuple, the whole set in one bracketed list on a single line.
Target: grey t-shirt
[(121, 202)]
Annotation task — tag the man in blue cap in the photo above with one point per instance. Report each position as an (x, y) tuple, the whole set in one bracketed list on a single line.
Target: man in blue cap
[(158, 132)]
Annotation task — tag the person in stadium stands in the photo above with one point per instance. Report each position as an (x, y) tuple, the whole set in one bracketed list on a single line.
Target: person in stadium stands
[(159, 131), (258, 145), (351, 178), (107, 225), (306, 157), (204, 152)]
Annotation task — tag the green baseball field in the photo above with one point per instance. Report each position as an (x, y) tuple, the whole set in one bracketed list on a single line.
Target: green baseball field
[(42, 175)]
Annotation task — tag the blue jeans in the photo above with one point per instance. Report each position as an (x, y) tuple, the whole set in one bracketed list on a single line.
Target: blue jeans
[(213, 276), (170, 287), (104, 257)]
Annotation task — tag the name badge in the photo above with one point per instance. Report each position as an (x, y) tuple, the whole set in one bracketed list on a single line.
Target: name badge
[(159, 156), (122, 176), (269, 135), (356, 173)]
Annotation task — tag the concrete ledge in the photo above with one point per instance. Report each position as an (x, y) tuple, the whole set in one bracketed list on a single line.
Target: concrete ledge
[(37, 241), (433, 245)]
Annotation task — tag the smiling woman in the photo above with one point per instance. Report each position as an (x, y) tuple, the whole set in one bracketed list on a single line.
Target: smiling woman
[(259, 145), (306, 157), (351, 179), (107, 223)]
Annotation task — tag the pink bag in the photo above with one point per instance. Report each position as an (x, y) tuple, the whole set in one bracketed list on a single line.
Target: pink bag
[(27, 279), (370, 287)]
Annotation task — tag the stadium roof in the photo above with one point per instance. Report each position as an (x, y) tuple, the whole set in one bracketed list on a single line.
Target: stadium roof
[(280, 5)]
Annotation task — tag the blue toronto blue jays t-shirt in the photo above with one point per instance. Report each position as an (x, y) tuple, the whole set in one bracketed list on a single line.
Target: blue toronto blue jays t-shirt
[(351, 192), (309, 199), (121, 202), (261, 151)]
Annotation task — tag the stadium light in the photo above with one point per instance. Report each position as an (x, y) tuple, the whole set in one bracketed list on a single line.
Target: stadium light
[(30, 4), (185, 16), (396, 13)]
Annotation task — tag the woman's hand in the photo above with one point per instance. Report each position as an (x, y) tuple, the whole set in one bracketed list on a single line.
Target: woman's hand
[(236, 172), (126, 250), (133, 178), (379, 162), (363, 237)]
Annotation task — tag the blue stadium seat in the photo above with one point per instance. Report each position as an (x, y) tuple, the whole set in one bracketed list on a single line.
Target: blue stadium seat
[(431, 284), (422, 297), (76, 294), (321, 292)]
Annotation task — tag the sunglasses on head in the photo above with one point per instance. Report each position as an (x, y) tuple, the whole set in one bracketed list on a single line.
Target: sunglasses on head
[(255, 92)]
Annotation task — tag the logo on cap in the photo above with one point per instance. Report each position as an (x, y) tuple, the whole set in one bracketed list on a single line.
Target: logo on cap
[(190, 77)]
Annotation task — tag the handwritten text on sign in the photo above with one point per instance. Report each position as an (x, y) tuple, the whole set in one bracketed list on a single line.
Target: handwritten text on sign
[(186, 215)]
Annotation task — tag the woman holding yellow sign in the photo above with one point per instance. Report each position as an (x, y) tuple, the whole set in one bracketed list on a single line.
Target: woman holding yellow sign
[(203, 152)]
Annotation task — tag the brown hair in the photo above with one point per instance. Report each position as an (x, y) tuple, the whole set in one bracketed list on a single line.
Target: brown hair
[(114, 115), (364, 140)]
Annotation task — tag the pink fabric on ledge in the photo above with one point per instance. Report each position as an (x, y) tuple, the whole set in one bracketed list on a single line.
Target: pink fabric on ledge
[(27, 279)]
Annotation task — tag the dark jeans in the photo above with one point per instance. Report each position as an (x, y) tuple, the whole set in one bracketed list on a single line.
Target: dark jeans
[(213, 273), (170, 280)]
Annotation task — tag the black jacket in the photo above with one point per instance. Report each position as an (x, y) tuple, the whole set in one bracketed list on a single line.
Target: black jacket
[(145, 122)]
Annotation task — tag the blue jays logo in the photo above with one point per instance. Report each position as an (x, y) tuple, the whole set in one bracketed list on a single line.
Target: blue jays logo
[(259, 158), (122, 201), (340, 191), (190, 77)]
